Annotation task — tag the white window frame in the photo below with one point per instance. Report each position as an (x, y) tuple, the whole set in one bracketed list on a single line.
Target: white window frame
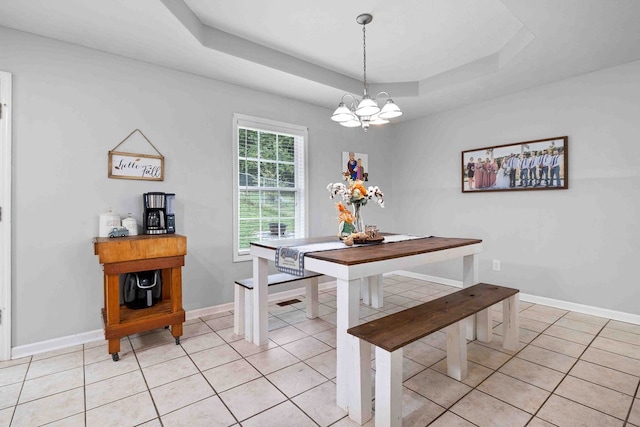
[(302, 212)]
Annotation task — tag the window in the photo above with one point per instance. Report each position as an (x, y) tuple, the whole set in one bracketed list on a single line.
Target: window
[(270, 195)]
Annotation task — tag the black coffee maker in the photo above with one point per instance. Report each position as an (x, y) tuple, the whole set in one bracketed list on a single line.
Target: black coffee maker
[(159, 215)]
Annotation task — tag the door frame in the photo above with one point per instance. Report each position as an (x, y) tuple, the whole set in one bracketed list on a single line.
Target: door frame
[(5, 223)]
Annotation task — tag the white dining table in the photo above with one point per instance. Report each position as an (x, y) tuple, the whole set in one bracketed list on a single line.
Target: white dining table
[(350, 266)]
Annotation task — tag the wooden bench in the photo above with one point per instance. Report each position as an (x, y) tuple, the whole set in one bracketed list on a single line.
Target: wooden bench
[(391, 333), (242, 304)]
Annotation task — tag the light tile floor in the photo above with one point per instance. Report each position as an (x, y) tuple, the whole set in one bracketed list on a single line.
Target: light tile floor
[(571, 369)]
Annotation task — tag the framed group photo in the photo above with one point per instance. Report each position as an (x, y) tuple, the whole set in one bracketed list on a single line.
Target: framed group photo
[(542, 164)]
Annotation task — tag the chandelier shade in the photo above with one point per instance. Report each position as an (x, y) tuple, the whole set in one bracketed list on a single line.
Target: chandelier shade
[(365, 112), (378, 120), (390, 110), (342, 114), (367, 107)]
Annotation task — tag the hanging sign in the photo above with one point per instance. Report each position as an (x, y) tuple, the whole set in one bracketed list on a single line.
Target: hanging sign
[(136, 166)]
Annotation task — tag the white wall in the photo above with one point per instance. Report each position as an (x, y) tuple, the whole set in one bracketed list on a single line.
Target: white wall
[(580, 245), (71, 106)]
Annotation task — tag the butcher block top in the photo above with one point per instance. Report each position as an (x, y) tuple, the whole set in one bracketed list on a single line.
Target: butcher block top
[(118, 249)]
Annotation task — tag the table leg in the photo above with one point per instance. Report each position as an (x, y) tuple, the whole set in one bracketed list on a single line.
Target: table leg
[(113, 345), (470, 278), (348, 304), (311, 297), (365, 291), (260, 301), (112, 306), (377, 291)]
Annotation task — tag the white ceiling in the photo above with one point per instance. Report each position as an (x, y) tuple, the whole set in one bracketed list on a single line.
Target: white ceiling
[(431, 55)]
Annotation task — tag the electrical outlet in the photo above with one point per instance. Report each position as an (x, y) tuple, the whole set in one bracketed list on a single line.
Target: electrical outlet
[(496, 265)]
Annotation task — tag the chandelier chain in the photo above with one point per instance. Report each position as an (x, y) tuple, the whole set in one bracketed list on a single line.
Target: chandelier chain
[(364, 55)]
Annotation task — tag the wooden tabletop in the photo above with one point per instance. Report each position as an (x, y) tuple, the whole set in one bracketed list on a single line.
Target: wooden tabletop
[(374, 252)]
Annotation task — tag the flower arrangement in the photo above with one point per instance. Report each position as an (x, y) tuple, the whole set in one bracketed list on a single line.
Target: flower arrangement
[(355, 194)]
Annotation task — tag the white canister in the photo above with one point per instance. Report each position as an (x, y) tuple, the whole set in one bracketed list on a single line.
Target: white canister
[(108, 220), (131, 224)]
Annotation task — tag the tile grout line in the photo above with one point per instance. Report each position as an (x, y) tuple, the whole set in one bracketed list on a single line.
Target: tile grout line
[(144, 378), (217, 394), (633, 400), (24, 379)]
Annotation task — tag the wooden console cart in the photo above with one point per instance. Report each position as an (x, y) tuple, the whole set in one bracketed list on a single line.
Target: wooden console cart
[(140, 253)]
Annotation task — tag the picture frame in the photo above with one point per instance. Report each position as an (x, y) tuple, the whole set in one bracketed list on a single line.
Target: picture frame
[(136, 166), (355, 165), (541, 164)]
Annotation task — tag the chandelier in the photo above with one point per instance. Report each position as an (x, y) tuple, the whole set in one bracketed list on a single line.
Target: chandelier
[(366, 111)]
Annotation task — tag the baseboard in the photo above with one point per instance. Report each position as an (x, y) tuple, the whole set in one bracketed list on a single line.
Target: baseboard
[(56, 343), (434, 279), (564, 305), (581, 308), (98, 334)]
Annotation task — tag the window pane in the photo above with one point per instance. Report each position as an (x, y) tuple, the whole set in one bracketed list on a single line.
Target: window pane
[(268, 174), (268, 146), (285, 148), (287, 175), (251, 145), (248, 177), (242, 142), (287, 204), (270, 204), (249, 232), (249, 202), (248, 221)]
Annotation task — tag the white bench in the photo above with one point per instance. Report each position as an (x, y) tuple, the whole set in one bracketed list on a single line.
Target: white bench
[(243, 303), (391, 333)]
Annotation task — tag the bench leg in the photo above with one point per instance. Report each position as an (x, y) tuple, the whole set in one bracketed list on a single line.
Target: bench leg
[(510, 323), (360, 382), (456, 350), (377, 293), (312, 298), (484, 325), (238, 310), (259, 307), (470, 264), (248, 316), (388, 388)]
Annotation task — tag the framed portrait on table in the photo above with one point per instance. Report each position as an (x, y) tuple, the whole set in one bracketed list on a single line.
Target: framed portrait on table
[(542, 164)]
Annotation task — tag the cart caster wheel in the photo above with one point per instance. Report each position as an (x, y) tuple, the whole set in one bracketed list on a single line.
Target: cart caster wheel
[(115, 357), (178, 341), (166, 327)]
